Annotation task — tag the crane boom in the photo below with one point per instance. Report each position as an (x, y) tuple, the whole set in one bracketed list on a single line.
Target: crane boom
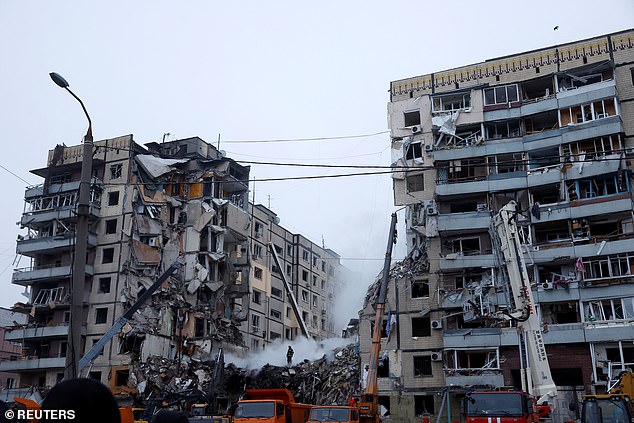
[(540, 381), (369, 406)]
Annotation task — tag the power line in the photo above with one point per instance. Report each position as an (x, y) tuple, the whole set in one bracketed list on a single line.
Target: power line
[(17, 176), (305, 139)]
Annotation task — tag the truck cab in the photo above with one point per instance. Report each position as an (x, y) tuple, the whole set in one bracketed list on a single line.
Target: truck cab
[(333, 414), (504, 406)]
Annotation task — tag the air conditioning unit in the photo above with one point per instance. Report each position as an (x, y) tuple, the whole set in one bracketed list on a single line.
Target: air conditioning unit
[(432, 211), (416, 129), (436, 324), (547, 285), (435, 356), (429, 148)]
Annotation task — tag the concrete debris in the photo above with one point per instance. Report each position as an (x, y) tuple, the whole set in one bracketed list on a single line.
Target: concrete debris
[(326, 381)]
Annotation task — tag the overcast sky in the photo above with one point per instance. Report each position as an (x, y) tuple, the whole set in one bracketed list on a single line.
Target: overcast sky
[(249, 71)]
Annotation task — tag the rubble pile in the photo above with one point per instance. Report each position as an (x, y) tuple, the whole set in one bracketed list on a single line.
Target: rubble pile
[(326, 381)]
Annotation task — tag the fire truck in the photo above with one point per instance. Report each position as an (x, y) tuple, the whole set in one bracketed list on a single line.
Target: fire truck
[(538, 387)]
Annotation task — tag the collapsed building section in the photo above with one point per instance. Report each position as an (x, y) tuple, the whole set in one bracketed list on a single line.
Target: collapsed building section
[(179, 200)]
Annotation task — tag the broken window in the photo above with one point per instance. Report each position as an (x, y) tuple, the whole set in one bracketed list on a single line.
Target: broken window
[(289, 250), (383, 328), (257, 272), (315, 322), (323, 266), (315, 260), (276, 292), (420, 289), (543, 158), (259, 229), (115, 171), (304, 295), (423, 405), (552, 232), (111, 226), (451, 102), (63, 348), (541, 122), (276, 314), (465, 170), (104, 285), (560, 313), (315, 301), (421, 326), (305, 255), (600, 186), (415, 183), (414, 151), (506, 163), (305, 275), (583, 113), (314, 280), (274, 335), (466, 246), (411, 118), (609, 267), (255, 322), (257, 251), (289, 270), (113, 198), (383, 369), (305, 316), (422, 366), (323, 284), (503, 129), (101, 315), (473, 359), (121, 377), (107, 255), (257, 297), (501, 95), (546, 194), (95, 375), (94, 342), (593, 149)]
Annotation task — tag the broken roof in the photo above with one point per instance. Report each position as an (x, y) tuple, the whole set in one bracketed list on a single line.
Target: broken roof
[(156, 166)]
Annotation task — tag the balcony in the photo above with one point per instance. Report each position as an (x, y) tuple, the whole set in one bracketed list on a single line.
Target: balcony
[(61, 213), (57, 188), (503, 182), (566, 250), (587, 93), (459, 222), (33, 364), (475, 337), (609, 331), (475, 377), (569, 333), (57, 243), (457, 262), (584, 208), (28, 275), (37, 333)]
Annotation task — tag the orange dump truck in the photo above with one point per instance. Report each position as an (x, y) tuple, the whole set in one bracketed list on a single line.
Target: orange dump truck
[(270, 406), (333, 414)]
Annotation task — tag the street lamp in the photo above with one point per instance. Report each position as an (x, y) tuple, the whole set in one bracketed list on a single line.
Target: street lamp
[(73, 349)]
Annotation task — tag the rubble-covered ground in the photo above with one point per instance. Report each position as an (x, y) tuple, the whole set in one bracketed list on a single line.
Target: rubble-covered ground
[(326, 381)]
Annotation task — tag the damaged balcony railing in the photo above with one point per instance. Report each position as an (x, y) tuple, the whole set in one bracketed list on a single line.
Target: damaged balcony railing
[(51, 296)]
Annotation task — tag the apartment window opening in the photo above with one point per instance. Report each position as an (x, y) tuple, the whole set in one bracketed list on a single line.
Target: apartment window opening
[(421, 326), (422, 366)]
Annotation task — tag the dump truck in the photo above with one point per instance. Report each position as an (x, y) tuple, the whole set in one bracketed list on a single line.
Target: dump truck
[(333, 414), (270, 406)]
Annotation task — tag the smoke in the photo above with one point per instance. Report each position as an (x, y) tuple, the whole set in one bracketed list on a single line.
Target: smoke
[(275, 352)]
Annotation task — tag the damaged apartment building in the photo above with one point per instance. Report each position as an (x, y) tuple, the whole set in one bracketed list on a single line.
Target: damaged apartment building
[(149, 207), (551, 129)]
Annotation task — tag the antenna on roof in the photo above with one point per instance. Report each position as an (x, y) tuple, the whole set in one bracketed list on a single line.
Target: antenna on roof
[(165, 135)]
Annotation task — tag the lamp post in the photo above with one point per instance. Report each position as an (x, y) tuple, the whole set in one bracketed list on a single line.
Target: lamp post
[(73, 349)]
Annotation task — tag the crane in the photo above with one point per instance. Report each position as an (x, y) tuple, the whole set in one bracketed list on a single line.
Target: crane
[(369, 404), (537, 381)]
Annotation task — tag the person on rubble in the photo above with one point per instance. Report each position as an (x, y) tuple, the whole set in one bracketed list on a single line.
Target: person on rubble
[(289, 355)]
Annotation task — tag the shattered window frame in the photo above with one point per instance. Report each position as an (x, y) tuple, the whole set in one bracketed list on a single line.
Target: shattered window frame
[(255, 321), (257, 297), (116, 170), (501, 94), (420, 289), (304, 296), (257, 251), (422, 366), (258, 272), (421, 327), (415, 183), (276, 314)]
